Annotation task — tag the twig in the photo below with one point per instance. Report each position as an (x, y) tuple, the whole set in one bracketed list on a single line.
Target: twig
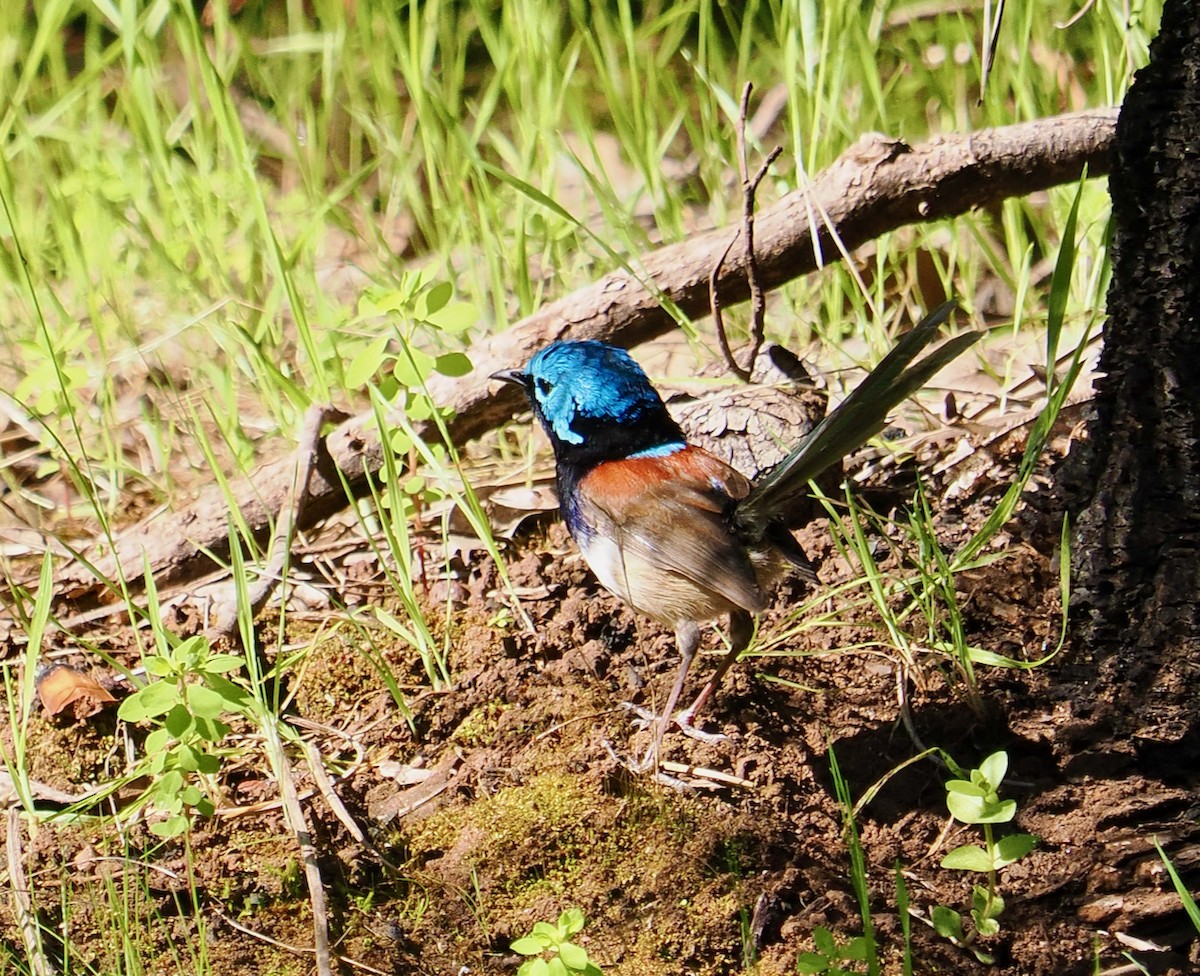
[(758, 300), (306, 453), (294, 816), (321, 777), (718, 317)]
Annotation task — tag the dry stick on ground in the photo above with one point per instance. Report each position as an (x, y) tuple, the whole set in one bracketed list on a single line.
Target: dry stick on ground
[(305, 457), (758, 301), (293, 814), (876, 186)]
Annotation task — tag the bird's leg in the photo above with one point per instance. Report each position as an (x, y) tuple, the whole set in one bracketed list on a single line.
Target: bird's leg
[(687, 639), (741, 629)]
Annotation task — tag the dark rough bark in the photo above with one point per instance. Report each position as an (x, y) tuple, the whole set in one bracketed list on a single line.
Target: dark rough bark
[(1138, 570)]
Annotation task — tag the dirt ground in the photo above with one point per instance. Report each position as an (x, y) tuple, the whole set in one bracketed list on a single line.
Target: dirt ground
[(501, 802)]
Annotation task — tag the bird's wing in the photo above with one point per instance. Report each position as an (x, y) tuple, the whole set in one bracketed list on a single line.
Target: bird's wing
[(855, 420), (669, 514)]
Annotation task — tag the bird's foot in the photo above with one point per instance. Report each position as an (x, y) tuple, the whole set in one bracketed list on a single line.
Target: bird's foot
[(682, 720)]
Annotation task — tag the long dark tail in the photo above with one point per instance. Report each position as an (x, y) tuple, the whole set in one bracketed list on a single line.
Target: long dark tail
[(856, 419)]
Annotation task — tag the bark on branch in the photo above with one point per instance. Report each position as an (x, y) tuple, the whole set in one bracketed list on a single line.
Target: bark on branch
[(876, 186)]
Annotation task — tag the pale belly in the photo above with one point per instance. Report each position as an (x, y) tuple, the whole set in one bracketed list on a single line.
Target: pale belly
[(664, 595)]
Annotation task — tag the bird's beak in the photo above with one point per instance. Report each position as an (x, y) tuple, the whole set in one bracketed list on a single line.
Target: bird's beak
[(514, 376)]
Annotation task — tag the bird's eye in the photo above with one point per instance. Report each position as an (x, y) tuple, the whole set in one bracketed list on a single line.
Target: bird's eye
[(544, 386)]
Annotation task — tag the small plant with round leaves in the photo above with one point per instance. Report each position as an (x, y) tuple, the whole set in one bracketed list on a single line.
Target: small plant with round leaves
[(555, 954), (976, 800), (832, 959), (185, 702)]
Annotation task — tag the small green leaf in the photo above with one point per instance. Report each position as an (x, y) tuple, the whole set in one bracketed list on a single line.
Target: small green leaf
[(377, 301), (157, 741), (191, 795), (233, 696), (526, 946), (857, 949), (412, 366), (969, 857), (967, 809), (556, 967), (434, 299), (570, 921), (179, 721), (994, 768), (811, 964), (947, 922), (191, 651), (573, 956), (366, 363), (150, 701), (823, 940), (210, 729), (208, 764), (204, 702), (534, 967), (221, 663), (453, 364), (170, 783), (454, 318), (171, 827), (160, 667), (985, 926), (985, 905), (964, 788), (1013, 848), (1001, 812), (187, 759), (546, 933), (400, 442)]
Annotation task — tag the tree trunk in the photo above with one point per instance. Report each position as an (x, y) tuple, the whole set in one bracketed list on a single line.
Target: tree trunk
[(1137, 566)]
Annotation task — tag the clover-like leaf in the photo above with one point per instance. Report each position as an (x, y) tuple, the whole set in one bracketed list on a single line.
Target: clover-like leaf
[(204, 702), (969, 857), (160, 667), (149, 701), (454, 318), (570, 921), (1013, 848), (573, 956), (367, 362), (171, 827), (220, 663), (999, 811), (947, 922), (453, 364), (434, 299), (179, 721), (811, 964), (547, 934), (412, 366), (527, 945), (994, 768)]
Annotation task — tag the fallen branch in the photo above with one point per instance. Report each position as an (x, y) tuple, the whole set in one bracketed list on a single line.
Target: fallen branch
[(876, 186)]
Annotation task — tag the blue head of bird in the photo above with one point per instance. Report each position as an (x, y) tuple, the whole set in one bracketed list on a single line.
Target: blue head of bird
[(594, 402)]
